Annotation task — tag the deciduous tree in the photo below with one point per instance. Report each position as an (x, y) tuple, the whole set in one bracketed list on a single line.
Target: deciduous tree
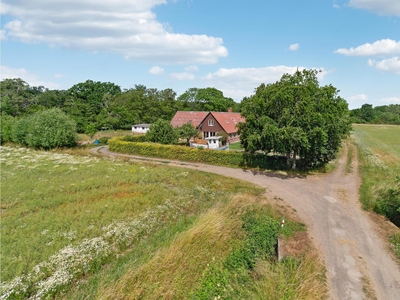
[(297, 118), (186, 131)]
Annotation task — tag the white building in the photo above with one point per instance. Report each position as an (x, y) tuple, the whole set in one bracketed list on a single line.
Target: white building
[(140, 128)]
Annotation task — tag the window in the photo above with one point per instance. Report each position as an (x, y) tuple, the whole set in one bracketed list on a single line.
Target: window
[(210, 122)]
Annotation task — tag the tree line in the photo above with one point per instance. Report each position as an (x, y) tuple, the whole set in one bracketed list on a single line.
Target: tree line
[(294, 117), (385, 114), (106, 105)]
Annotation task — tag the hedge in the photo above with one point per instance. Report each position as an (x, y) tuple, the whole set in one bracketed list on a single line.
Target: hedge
[(182, 153)]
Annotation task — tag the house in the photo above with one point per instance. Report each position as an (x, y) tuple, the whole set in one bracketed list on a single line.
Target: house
[(218, 122), (192, 117), (211, 123), (140, 128)]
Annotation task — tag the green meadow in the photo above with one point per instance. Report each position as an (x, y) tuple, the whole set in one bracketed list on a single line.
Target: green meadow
[(84, 227), (379, 157)]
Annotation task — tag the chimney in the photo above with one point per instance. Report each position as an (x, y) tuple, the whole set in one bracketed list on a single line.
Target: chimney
[(229, 109)]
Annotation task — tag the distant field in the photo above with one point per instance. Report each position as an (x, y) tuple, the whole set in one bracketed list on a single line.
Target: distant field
[(379, 156), (81, 227)]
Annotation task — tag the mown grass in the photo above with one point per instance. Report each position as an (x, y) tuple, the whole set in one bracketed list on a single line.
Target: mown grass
[(103, 226), (379, 157), (235, 146)]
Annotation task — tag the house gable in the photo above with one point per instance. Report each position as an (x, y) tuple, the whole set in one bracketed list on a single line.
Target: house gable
[(210, 124)]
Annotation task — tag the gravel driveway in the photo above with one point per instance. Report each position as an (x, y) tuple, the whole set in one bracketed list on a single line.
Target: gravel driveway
[(357, 262)]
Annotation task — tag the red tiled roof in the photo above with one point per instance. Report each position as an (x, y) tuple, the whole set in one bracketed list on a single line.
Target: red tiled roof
[(228, 120), (183, 117)]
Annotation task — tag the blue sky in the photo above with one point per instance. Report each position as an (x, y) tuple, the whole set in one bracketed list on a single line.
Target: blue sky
[(233, 45)]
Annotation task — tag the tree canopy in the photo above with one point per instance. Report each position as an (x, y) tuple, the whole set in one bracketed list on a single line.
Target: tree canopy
[(162, 132), (206, 99), (186, 131), (385, 114), (295, 117)]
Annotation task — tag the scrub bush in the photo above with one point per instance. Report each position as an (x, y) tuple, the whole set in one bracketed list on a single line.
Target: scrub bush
[(46, 129)]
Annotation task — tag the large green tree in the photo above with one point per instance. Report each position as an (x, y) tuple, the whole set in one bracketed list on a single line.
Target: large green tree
[(87, 99), (295, 117), (18, 98), (205, 99)]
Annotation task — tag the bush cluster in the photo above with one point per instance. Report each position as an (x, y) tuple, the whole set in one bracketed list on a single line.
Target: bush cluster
[(260, 242), (388, 203), (45, 129), (138, 138), (222, 158)]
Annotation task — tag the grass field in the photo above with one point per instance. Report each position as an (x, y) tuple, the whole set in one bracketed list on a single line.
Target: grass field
[(82, 227), (235, 146), (379, 156)]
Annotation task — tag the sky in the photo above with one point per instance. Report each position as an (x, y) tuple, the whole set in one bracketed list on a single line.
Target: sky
[(233, 45)]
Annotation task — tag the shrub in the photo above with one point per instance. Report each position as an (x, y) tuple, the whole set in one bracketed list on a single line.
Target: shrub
[(186, 132), (389, 202), (19, 131), (46, 129), (7, 123), (162, 132), (91, 130), (104, 140), (138, 138)]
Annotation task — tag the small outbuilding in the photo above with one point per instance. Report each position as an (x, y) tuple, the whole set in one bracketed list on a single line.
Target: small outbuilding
[(140, 128)]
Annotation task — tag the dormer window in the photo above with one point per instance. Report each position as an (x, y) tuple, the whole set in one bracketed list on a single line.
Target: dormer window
[(210, 122)]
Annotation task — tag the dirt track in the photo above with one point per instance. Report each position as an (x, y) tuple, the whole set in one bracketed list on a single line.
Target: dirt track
[(355, 256)]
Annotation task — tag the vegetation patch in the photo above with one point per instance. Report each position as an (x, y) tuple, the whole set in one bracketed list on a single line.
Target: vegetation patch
[(221, 158), (379, 156), (395, 240), (82, 204), (229, 247), (92, 228)]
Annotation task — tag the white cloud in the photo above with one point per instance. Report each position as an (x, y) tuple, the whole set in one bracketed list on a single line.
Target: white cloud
[(381, 7), (388, 65), (182, 76), (391, 100), (360, 97), (58, 75), (31, 79), (126, 27), (381, 47), (294, 47), (239, 82), (156, 70), (3, 35), (191, 69)]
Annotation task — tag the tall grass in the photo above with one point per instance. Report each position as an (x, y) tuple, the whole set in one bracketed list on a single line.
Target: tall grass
[(214, 260), (80, 227), (52, 203), (379, 157)]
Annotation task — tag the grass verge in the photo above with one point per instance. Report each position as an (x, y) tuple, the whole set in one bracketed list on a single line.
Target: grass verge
[(379, 157)]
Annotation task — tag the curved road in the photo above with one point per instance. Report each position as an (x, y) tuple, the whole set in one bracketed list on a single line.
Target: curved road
[(355, 256)]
